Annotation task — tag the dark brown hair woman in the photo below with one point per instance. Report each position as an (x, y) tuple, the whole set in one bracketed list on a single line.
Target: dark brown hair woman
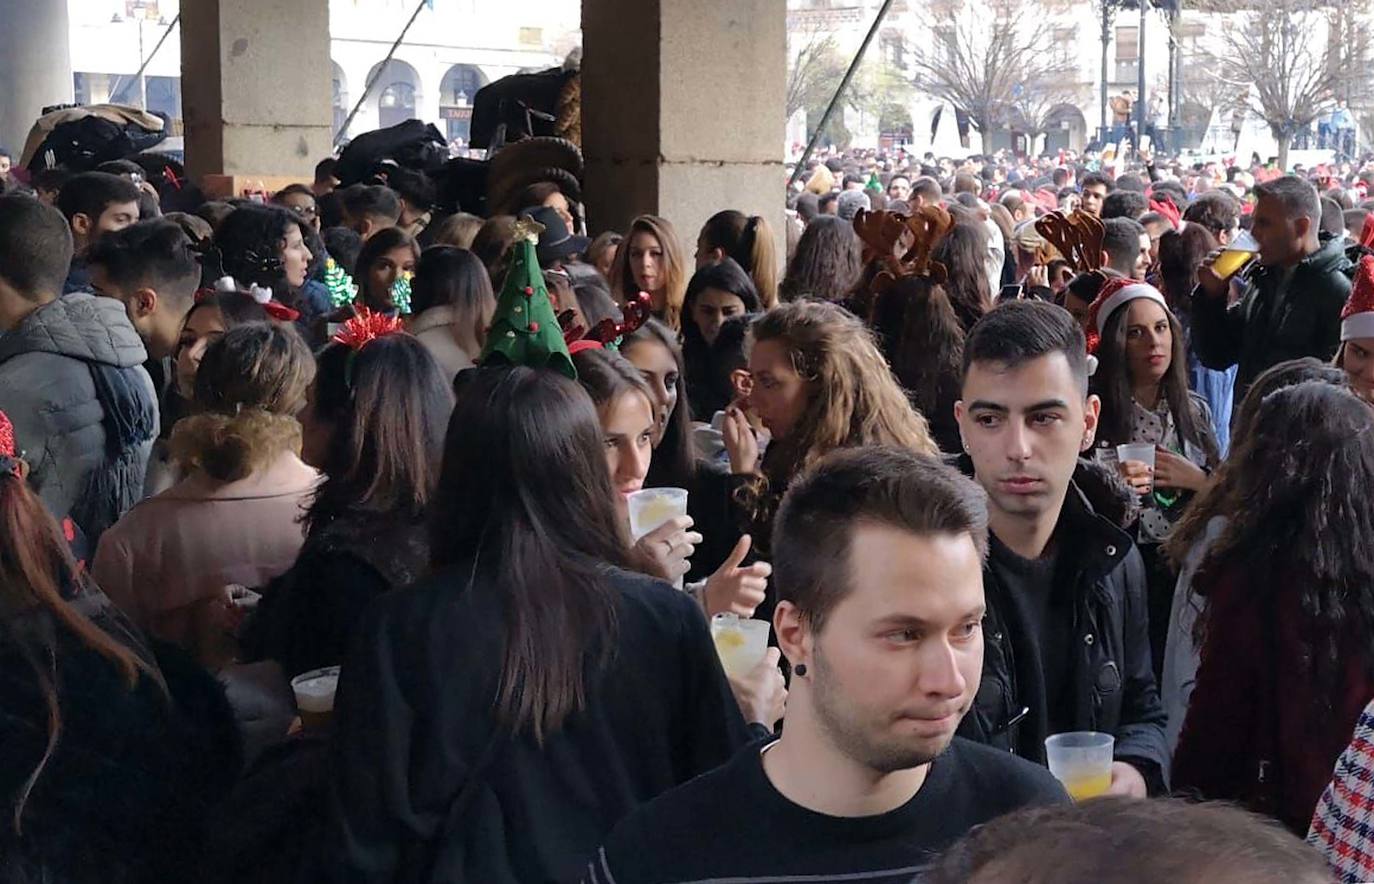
[(532, 691)]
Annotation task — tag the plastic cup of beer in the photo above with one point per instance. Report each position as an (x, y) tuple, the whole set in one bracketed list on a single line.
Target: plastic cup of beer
[(651, 507), (1236, 255), (1142, 452), (314, 692), (741, 643), (1082, 761)]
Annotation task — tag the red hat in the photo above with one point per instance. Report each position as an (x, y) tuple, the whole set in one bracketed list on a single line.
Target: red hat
[(1115, 293), (1357, 317), (6, 436)]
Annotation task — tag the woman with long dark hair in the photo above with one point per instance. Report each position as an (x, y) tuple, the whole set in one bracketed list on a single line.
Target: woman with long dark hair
[(374, 426), (827, 263), (1287, 660), (717, 292), (654, 351), (99, 782), (964, 253), (1142, 380), (533, 691), (1193, 535), (748, 241)]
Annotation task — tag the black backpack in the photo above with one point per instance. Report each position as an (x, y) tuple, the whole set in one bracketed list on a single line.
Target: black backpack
[(81, 145)]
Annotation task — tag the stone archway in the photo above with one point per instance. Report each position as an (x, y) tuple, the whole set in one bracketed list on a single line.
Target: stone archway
[(395, 94), (1066, 129), (456, 91)]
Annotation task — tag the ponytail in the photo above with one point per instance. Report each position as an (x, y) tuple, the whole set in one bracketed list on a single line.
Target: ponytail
[(762, 259)]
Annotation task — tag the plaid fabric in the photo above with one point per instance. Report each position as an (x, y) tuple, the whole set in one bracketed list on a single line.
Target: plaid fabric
[(1343, 825)]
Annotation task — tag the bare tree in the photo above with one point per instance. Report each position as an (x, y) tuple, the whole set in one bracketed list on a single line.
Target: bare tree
[(982, 55), (1035, 101), (1288, 61), (814, 70)]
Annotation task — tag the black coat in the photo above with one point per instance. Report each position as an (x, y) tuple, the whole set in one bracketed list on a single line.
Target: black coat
[(1113, 688), (308, 614), (124, 796), (1274, 322), (415, 734)]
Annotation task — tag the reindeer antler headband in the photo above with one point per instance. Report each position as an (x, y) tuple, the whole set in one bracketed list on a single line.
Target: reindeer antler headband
[(1078, 237)]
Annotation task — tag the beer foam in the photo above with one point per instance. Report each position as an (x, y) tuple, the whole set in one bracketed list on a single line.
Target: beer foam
[(315, 690)]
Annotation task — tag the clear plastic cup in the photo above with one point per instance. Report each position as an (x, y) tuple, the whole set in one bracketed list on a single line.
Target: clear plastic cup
[(651, 507), (1082, 761), (314, 692), (1142, 452), (1236, 255), (741, 644)]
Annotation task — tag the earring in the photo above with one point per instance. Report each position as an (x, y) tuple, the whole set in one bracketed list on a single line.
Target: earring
[(800, 670)]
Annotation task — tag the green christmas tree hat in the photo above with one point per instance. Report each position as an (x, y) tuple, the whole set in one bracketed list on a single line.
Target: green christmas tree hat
[(524, 329)]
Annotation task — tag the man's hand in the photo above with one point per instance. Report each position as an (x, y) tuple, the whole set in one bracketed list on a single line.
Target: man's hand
[(1212, 284), (1127, 781)]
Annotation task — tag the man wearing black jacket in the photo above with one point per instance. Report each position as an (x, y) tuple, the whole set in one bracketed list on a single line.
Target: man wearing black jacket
[(1067, 642), (1291, 304)]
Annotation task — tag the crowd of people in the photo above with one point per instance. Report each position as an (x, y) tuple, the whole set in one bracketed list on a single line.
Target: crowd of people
[(994, 449)]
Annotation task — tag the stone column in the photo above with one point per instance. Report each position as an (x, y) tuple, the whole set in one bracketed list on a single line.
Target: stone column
[(35, 66), (683, 110), (256, 86)]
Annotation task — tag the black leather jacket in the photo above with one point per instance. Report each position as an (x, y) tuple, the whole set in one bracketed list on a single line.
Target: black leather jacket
[(1114, 689)]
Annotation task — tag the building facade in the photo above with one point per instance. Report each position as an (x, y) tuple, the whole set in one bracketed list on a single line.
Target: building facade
[(453, 49)]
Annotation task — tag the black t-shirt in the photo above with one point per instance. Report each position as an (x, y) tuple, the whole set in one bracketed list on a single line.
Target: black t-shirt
[(1042, 608), (733, 824)]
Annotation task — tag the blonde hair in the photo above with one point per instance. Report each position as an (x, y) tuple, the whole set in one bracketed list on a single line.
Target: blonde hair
[(749, 240), (674, 267), (249, 387), (457, 230), (854, 400), (822, 181)]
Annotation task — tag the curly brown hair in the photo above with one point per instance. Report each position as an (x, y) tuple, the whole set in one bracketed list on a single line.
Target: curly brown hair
[(855, 400)]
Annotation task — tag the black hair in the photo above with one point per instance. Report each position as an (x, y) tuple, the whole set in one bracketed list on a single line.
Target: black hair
[(1093, 178), (415, 188), (593, 295), (675, 460), (343, 246), (1333, 217), (362, 200), (1016, 332), (249, 242), (156, 253), (450, 276), (1123, 203), (827, 263), (725, 276), (324, 169), (1121, 242), (379, 244), (91, 193), (963, 251), (291, 190), (389, 403), (525, 504), (1216, 210), (35, 246)]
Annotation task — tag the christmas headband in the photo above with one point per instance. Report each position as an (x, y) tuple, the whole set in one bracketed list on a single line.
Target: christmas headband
[(1078, 237), (261, 295), (607, 332), (901, 245), (360, 330)]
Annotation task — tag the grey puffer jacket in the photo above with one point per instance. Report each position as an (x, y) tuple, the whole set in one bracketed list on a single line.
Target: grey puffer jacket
[(84, 410)]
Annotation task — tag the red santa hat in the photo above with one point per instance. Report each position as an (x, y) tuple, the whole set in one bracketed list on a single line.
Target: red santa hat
[(1357, 317), (1115, 293)]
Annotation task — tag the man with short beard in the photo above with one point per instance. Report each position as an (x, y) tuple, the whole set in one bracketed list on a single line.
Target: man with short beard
[(878, 558)]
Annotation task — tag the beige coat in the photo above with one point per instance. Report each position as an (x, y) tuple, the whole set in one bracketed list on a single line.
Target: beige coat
[(434, 328), (173, 554)]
